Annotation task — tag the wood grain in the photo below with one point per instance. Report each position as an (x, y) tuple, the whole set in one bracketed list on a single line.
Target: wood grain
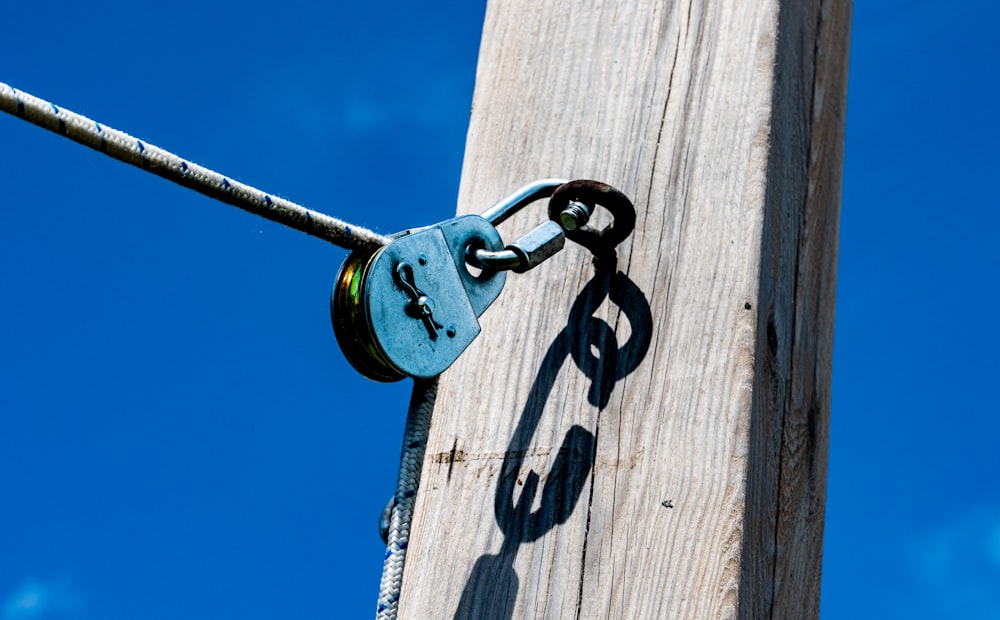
[(647, 441)]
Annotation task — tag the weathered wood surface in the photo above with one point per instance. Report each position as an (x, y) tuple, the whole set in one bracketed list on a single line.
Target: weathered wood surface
[(674, 415)]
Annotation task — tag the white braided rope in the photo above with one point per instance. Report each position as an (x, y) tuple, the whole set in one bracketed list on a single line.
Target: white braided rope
[(418, 424), (123, 147)]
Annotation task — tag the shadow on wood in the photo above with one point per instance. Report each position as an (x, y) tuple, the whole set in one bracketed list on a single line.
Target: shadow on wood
[(493, 584)]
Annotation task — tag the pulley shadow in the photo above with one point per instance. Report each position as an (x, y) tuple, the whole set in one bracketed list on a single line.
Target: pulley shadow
[(491, 591)]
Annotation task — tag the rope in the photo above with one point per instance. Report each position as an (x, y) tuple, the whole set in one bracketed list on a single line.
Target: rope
[(123, 147), (418, 423)]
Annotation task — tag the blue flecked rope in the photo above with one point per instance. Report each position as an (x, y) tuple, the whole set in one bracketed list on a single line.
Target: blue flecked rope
[(123, 147), (418, 423)]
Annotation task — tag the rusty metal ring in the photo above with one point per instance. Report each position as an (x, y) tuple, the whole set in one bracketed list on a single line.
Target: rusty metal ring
[(593, 193)]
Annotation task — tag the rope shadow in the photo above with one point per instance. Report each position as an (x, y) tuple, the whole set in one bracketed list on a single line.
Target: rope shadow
[(491, 591)]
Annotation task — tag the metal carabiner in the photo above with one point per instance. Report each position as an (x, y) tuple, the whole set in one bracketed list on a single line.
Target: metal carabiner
[(570, 208), (519, 199), (531, 249)]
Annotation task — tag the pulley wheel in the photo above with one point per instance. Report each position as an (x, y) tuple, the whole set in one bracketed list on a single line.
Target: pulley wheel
[(351, 325)]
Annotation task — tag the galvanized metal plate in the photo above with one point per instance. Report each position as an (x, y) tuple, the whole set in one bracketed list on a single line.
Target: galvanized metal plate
[(411, 342)]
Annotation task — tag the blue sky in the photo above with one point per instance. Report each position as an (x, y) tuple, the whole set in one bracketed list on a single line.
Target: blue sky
[(913, 512), (179, 435)]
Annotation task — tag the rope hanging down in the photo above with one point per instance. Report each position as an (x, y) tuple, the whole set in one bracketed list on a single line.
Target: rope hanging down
[(418, 423), (123, 147), (130, 150)]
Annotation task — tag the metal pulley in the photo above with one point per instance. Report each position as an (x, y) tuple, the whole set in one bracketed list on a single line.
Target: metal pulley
[(411, 307)]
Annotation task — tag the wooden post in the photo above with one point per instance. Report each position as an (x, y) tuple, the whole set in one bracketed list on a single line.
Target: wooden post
[(647, 441)]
